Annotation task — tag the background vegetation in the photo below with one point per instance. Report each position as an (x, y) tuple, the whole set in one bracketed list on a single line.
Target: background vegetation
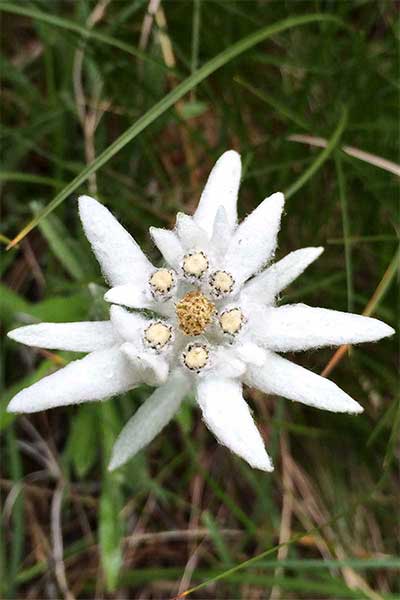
[(76, 76)]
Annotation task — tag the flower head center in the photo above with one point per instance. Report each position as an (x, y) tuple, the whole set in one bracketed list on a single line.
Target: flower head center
[(157, 335), (194, 312), (162, 281), (231, 321), (195, 357), (221, 283), (195, 265)]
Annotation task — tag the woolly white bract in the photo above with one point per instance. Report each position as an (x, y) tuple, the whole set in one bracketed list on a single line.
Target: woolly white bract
[(216, 327)]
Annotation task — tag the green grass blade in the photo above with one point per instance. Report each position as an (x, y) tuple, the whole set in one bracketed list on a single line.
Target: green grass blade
[(170, 99), (18, 518), (321, 158), (276, 105), (110, 523), (195, 35), (57, 237), (255, 559), (18, 9), (346, 231), (219, 542), (30, 178)]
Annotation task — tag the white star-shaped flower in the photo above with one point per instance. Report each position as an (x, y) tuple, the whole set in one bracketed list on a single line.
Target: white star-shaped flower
[(206, 320)]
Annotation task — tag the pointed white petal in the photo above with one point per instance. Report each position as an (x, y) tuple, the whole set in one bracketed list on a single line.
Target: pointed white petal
[(254, 241), (222, 233), (227, 415), (129, 295), (191, 236), (130, 326), (250, 353), (221, 189), (99, 375), (132, 297), (284, 378), (169, 245), (150, 419), (266, 286), (299, 327), (120, 257), (154, 368), (225, 363), (78, 337)]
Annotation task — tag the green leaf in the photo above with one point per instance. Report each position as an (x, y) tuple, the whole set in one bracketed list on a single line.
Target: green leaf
[(193, 109), (6, 418), (10, 303), (16, 310), (59, 241), (62, 309), (82, 447), (110, 533), (169, 100), (110, 525)]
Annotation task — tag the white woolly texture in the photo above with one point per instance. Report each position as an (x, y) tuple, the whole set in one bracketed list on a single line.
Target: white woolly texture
[(169, 245), (149, 420), (222, 234), (191, 236), (225, 363), (221, 189), (284, 378), (120, 358), (129, 295), (299, 327), (227, 415), (78, 337), (120, 257), (130, 326), (99, 375), (254, 241), (154, 369), (250, 353), (267, 285)]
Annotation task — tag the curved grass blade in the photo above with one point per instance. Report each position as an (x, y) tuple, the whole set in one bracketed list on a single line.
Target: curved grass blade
[(276, 104), (258, 557), (321, 158), (30, 178), (371, 159), (346, 231), (369, 310), (169, 100), (18, 9)]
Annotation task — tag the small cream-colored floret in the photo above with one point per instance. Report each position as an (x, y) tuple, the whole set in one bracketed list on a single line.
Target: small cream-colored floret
[(196, 356), (231, 321), (195, 265), (194, 312), (157, 335), (221, 282), (162, 281)]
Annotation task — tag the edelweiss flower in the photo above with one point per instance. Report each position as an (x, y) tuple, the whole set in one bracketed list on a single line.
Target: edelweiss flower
[(206, 320)]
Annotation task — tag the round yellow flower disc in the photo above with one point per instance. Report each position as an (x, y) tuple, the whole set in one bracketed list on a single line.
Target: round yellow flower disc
[(194, 265), (231, 321), (162, 281), (221, 282), (157, 335), (194, 312), (196, 356)]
